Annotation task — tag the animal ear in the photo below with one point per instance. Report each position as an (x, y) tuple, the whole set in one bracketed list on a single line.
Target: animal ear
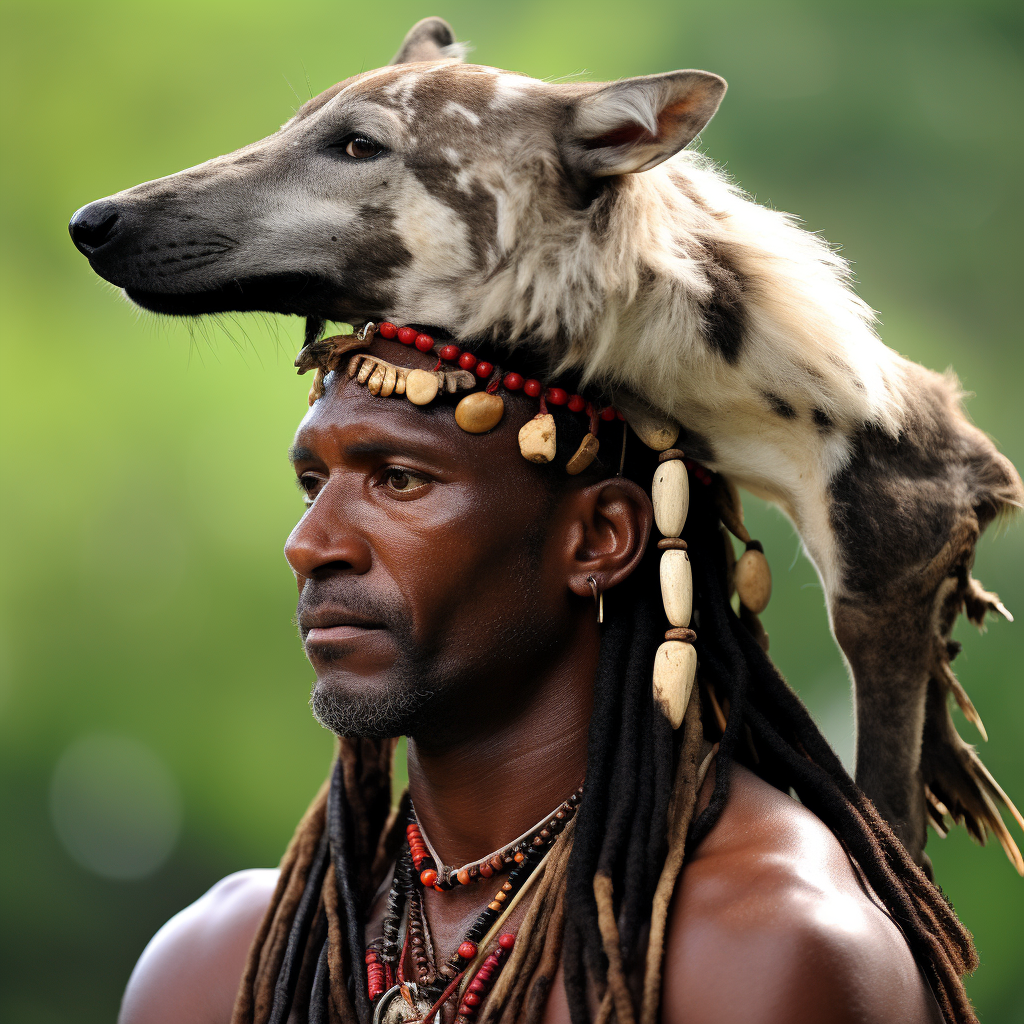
[(634, 124), (429, 39)]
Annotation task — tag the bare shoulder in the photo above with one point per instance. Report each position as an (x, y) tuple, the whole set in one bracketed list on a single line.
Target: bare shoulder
[(770, 924), (191, 968)]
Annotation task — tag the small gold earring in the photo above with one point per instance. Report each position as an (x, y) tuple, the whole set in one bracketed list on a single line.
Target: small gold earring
[(598, 598)]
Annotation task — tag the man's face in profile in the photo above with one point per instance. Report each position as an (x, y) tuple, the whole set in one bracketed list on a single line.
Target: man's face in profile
[(420, 561)]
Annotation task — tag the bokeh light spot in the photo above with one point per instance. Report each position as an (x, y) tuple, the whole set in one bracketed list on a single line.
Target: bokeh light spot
[(115, 806)]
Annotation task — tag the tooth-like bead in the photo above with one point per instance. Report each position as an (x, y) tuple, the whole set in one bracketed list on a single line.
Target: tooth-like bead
[(675, 666), (676, 587), (670, 493), (537, 438), (390, 377), (375, 380), (369, 365), (403, 373), (421, 387), (753, 580), (353, 364), (655, 433), (585, 455)]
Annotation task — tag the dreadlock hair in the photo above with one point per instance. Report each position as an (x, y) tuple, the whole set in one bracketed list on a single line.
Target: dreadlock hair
[(611, 875)]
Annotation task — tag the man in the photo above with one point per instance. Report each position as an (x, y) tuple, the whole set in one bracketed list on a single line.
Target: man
[(446, 592)]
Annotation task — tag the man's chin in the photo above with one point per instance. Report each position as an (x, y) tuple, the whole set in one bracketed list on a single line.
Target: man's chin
[(361, 709)]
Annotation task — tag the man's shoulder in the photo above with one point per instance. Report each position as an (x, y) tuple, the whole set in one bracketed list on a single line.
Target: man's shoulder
[(192, 966), (770, 923)]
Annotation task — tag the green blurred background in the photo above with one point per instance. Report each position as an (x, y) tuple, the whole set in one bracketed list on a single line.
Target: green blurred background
[(154, 733)]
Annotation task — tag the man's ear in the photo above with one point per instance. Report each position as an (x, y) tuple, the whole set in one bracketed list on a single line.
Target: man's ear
[(429, 39), (634, 124)]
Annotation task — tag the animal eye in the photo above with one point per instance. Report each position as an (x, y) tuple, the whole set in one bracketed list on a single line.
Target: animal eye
[(403, 480), (359, 147)]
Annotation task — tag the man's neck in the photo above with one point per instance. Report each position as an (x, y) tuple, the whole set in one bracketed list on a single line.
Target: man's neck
[(474, 796)]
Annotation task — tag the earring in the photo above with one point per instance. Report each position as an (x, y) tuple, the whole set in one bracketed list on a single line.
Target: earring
[(598, 598)]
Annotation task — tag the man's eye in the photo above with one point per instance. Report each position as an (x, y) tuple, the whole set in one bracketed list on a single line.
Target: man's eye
[(359, 147), (397, 479), (309, 485)]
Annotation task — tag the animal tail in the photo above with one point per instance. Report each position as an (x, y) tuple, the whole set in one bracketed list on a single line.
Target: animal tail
[(957, 785)]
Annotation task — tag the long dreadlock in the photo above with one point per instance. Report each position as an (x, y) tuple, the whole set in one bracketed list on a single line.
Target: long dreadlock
[(611, 875)]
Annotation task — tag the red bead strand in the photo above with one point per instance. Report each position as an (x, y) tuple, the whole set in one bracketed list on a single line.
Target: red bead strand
[(484, 979)]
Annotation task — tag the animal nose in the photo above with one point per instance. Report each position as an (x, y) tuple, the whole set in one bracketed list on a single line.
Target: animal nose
[(93, 225)]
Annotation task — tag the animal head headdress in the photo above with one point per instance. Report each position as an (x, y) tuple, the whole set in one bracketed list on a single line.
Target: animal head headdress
[(568, 221)]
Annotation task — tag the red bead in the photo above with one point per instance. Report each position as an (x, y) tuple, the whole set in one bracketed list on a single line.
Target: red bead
[(507, 941), (467, 950), (371, 957), (477, 985), (449, 353), (486, 870), (424, 342), (484, 369), (411, 827), (428, 877), (387, 329), (471, 999), (532, 388), (407, 335), (467, 360), (557, 396), (608, 414), (619, 416), (576, 404), (513, 381)]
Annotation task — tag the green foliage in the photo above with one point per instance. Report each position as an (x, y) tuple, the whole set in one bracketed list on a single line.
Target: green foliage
[(146, 494)]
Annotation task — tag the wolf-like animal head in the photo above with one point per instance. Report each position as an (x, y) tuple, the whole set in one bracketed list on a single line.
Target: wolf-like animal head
[(400, 192)]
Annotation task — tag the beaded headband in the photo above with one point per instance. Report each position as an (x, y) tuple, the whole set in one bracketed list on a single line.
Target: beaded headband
[(675, 664), (478, 412)]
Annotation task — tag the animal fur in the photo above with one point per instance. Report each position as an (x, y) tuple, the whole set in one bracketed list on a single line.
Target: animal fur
[(569, 218)]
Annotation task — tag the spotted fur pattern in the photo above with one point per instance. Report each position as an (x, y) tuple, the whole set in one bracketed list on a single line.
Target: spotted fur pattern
[(570, 219)]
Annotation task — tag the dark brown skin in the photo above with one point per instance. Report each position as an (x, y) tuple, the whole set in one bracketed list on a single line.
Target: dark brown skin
[(769, 921)]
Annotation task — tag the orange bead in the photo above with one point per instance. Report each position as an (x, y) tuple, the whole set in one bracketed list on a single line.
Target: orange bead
[(428, 877), (520, 857), (463, 876)]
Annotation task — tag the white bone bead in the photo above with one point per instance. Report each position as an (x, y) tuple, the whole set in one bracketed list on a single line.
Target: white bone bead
[(369, 365), (675, 667), (670, 493), (537, 438), (676, 587), (390, 378), (753, 580)]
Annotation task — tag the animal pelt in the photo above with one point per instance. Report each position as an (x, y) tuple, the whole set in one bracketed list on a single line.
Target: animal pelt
[(570, 219)]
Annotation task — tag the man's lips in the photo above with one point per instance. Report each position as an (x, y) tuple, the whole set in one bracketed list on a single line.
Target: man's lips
[(327, 625)]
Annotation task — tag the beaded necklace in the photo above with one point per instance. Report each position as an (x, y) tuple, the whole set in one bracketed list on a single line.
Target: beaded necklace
[(469, 972), (434, 873)]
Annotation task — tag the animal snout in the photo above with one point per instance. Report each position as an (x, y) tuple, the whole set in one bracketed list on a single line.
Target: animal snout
[(94, 225)]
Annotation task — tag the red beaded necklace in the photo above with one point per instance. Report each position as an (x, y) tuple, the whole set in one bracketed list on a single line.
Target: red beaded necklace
[(434, 873)]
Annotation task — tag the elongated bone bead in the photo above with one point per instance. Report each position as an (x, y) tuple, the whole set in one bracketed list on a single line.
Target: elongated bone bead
[(390, 377), (753, 580), (403, 374), (675, 666), (676, 587), (670, 493)]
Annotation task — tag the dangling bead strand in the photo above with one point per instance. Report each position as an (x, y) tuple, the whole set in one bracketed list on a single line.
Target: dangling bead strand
[(484, 979)]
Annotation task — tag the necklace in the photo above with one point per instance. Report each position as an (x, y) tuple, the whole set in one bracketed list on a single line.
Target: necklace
[(434, 872), (468, 972)]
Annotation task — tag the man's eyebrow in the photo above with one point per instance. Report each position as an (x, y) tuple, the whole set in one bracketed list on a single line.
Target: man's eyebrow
[(300, 453)]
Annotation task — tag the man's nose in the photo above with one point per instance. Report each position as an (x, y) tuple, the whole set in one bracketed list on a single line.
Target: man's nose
[(94, 225), (322, 542)]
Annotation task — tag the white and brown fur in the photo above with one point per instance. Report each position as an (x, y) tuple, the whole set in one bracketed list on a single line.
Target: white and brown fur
[(569, 218)]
